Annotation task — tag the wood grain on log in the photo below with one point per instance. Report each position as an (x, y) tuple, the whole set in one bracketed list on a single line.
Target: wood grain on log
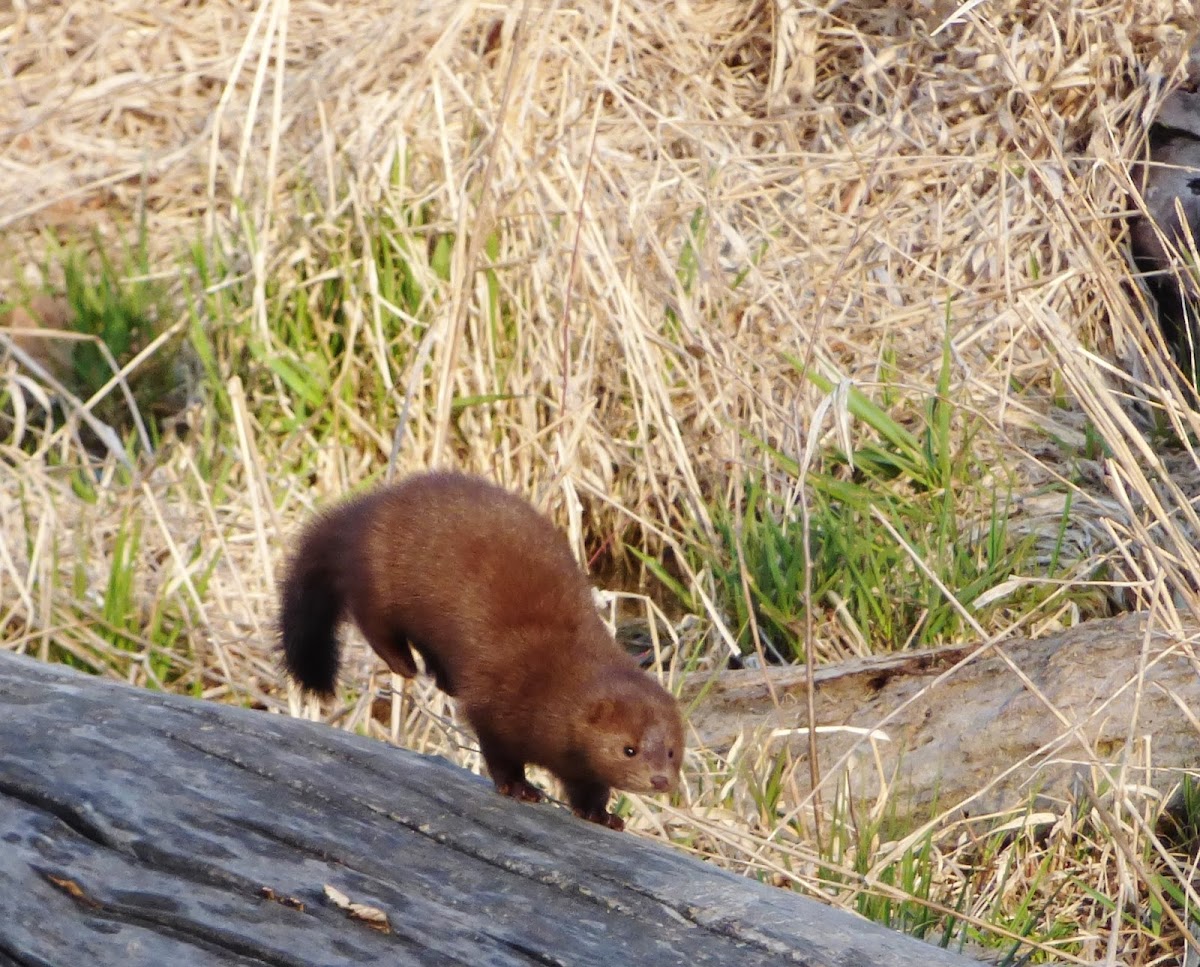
[(141, 828), (1107, 692)]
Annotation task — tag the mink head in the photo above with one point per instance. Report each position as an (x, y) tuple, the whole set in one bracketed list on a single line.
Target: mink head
[(633, 736)]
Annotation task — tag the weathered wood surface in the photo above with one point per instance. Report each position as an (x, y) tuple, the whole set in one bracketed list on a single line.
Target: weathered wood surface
[(1099, 693), (143, 829)]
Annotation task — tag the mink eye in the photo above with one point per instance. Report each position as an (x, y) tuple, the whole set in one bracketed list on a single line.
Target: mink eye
[(630, 751), (670, 753)]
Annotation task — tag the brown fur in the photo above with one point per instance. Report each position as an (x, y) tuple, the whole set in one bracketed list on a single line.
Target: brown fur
[(486, 590)]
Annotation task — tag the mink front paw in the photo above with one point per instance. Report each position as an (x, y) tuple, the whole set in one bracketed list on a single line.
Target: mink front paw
[(520, 789), (602, 817)]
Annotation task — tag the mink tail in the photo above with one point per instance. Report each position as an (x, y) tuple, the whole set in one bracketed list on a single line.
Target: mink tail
[(312, 606)]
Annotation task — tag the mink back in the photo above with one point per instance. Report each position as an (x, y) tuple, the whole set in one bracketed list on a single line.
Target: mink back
[(476, 578)]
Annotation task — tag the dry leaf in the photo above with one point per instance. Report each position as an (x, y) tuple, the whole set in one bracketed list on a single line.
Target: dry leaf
[(72, 889), (372, 916)]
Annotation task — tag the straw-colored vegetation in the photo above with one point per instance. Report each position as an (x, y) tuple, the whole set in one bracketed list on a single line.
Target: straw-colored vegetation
[(663, 267)]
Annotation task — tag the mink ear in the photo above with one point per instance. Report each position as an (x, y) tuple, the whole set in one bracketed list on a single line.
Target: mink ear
[(602, 711)]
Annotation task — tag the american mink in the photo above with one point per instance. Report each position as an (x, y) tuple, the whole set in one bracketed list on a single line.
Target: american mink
[(487, 591)]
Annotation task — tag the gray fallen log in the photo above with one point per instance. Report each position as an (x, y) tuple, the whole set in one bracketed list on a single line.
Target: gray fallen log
[(1106, 693), (148, 829)]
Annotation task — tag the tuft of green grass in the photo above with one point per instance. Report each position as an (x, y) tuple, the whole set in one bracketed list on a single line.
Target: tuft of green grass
[(346, 342), (115, 302), (930, 488), (120, 609), (1179, 823)]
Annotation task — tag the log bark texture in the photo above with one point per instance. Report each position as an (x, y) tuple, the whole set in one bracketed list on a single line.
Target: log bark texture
[(148, 829), (1045, 717)]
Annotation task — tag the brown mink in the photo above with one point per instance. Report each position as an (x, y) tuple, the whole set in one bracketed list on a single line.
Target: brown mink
[(487, 591)]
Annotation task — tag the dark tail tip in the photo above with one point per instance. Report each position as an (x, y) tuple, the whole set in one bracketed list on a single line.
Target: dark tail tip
[(310, 610)]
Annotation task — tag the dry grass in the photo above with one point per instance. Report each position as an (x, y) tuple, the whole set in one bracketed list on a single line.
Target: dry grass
[(673, 203)]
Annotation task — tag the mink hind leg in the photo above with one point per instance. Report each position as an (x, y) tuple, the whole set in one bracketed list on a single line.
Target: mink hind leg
[(589, 800), (389, 643)]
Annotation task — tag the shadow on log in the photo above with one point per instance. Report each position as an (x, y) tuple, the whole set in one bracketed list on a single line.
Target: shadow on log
[(1026, 717), (148, 829)]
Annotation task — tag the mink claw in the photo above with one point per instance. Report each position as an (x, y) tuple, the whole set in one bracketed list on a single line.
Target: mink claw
[(602, 817), (521, 790)]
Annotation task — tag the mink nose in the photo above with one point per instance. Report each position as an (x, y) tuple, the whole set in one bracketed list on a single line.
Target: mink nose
[(660, 783)]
